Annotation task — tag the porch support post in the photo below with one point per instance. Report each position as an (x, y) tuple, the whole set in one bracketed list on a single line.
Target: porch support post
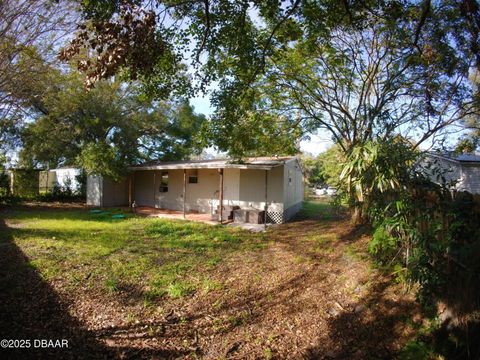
[(184, 190), (130, 180), (266, 200), (221, 195), (154, 185)]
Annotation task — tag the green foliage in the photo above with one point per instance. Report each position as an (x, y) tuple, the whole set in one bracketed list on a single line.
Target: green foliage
[(180, 289), (100, 158), (331, 165), (25, 182), (81, 180), (255, 131), (424, 233), (4, 184), (415, 350), (4, 178), (313, 168), (103, 130), (383, 246), (326, 168)]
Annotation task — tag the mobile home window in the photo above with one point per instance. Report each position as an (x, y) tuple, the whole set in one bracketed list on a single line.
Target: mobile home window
[(164, 182), (193, 177)]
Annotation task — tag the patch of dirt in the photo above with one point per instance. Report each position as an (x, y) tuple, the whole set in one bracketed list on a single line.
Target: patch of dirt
[(310, 294)]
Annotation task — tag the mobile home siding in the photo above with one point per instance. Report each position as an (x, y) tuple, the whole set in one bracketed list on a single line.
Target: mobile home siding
[(293, 188), (470, 180)]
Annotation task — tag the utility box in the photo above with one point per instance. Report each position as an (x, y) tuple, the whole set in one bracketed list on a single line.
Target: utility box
[(252, 216), (227, 212), (256, 216), (240, 216)]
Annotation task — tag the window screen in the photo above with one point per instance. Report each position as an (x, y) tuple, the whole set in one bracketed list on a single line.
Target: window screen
[(164, 182)]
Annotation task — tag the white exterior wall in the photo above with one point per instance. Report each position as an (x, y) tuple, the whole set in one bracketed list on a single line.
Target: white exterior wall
[(199, 196), (252, 189), (293, 185), (60, 177), (114, 193), (245, 188), (94, 190), (441, 170), (470, 180), (63, 176), (242, 187), (104, 192), (465, 176)]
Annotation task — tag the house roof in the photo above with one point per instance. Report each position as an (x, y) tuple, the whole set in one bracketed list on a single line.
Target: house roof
[(261, 163), (471, 158)]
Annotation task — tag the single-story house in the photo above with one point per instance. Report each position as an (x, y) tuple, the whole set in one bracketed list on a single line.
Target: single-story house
[(462, 170), (274, 185)]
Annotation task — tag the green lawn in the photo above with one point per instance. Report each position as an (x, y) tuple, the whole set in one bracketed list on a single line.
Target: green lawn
[(321, 209), (161, 257), (175, 289)]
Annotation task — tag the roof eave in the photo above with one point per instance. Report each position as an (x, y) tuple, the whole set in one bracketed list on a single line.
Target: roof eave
[(205, 166)]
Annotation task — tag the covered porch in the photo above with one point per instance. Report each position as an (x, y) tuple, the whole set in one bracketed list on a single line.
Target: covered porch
[(198, 190)]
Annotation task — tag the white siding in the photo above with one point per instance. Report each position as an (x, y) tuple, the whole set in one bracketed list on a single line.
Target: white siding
[(465, 176), (173, 198), (94, 190), (293, 184), (67, 175), (231, 187), (242, 187), (252, 189), (199, 196), (470, 180), (144, 188), (202, 196), (115, 193)]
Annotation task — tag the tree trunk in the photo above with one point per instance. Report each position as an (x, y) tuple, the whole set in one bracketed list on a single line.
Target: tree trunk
[(359, 215)]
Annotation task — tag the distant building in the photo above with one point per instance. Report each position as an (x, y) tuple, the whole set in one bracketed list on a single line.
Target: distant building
[(463, 170), (63, 177)]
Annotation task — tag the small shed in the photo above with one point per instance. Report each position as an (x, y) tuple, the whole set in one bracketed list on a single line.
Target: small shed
[(105, 192), (271, 186)]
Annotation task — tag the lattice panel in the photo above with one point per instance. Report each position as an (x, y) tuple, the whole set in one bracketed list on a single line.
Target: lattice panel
[(274, 217)]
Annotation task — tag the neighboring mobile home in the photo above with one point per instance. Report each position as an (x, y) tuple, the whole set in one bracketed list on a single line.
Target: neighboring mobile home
[(63, 177), (258, 184), (463, 170)]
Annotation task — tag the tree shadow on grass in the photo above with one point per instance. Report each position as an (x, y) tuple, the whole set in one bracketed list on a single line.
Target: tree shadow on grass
[(374, 327), (30, 309)]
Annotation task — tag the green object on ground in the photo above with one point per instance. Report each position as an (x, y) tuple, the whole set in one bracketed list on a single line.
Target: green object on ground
[(118, 216), (95, 211)]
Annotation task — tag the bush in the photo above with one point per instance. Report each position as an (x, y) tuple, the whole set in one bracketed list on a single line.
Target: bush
[(4, 184)]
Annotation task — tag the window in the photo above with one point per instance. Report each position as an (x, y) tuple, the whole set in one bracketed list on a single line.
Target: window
[(164, 182), (193, 177)]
